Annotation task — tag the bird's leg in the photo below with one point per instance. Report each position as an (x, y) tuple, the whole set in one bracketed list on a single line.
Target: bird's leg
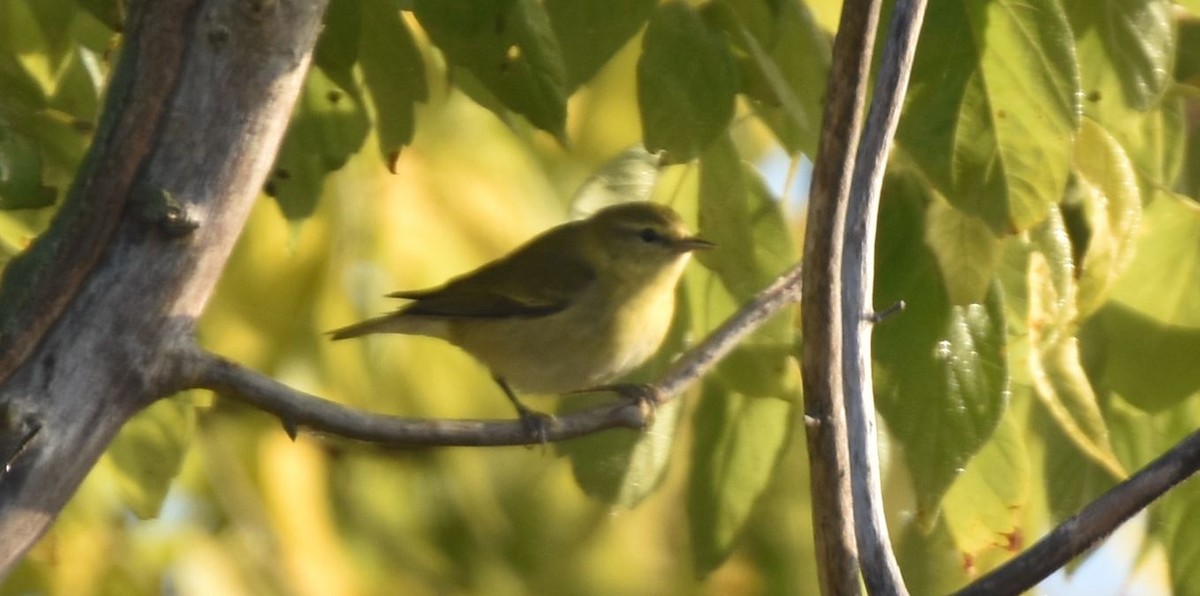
[(537, 423), (645, 396)]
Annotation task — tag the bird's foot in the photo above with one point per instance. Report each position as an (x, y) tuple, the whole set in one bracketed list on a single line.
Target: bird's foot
[(536, 424)]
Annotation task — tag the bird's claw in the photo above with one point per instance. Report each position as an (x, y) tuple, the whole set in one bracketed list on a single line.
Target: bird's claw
[(536, 424)]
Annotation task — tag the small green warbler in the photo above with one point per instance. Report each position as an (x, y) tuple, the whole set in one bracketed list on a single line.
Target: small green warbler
[(575, 307)]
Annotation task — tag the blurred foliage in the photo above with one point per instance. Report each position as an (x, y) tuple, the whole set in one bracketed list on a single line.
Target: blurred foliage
[(1040, 219)]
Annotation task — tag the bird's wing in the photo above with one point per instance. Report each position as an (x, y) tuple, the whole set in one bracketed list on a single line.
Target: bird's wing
[(534, 282)]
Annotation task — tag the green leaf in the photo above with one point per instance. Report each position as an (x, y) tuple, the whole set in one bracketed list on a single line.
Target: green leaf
[(941, 370), (328, 126), (687, 82), (623, 468), (1137, 36), (783, 60), (739, 443), (739, 214), (1150, 363), (993, 106), (590, 32), (1110, 205), (510, 47), (986, 503), (21, 172), (149, 450), (1187, 50), (1071, 479), (110, 13), (1160, 282), (1122, 46), (79, 87), (966, 250), (337, 47), (394, 73)]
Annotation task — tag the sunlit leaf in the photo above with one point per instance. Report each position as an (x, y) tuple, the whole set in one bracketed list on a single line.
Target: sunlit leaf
[(79, 87), (591, 32), (993, 106), (149, 451), (1071, 479), (327, 126), (1137, 35), (510, 47), (1124, 55), (966, 250), (687, 81), (1055, 367), (394, 74), (1160, 283), (941, 370), (739, 441), (984, 507), (1111, 207)]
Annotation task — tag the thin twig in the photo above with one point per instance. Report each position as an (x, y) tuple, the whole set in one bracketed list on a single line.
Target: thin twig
[(1095, 521), (828, 457), (881, 572), (297, 409)]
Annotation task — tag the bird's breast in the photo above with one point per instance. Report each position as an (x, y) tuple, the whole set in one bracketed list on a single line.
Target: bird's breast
[(603, 335)]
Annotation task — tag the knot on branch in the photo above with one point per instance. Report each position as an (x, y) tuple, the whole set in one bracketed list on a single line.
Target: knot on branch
[(157, 207), (18, 427)]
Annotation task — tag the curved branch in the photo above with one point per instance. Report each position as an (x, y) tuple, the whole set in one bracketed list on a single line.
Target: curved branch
[(1095, 521), (296, 409), (881, 572), (828, 456)]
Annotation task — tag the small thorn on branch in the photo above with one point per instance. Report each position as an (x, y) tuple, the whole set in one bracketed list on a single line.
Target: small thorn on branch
[(880, 316), (289, 427)]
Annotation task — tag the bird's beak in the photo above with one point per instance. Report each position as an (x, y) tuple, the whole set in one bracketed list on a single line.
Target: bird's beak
[(692, 243)]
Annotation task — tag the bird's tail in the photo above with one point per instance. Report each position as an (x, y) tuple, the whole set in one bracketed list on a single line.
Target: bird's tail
[(392, 323), (381, 324)]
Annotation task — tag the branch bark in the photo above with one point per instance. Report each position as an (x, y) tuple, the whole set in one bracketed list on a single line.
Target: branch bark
[(195, 112), (881, 572), (829, 468)]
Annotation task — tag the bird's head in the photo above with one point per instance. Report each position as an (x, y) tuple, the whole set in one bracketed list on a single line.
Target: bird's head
[(642, 236)]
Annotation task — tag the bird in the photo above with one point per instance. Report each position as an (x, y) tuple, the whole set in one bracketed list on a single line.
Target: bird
[(575, 307)]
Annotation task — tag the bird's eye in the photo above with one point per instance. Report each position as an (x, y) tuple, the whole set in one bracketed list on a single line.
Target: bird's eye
[(648, 235)]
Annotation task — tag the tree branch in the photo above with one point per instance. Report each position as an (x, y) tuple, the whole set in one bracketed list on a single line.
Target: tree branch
[(828, 459), (199, 369), (880, 569), (1095, 521)]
